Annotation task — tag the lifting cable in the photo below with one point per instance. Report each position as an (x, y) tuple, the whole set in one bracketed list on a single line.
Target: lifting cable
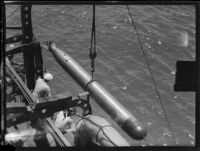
[(93, 52), (152, 77)]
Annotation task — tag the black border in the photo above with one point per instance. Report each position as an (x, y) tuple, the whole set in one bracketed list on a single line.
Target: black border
[(106, 2), (3, 92), (154, 148), (197, 109)]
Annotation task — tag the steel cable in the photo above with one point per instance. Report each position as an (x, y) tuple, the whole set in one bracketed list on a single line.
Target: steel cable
[(93, 52), (12, 13), (152, 77)]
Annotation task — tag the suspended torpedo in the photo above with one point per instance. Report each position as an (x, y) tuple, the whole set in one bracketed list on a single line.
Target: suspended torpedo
[(118, 112)]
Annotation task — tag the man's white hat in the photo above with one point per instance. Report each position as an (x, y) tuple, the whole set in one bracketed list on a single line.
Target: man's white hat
[(48, 76)]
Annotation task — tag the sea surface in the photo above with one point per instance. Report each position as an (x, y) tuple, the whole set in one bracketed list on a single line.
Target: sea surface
[(167, 34)]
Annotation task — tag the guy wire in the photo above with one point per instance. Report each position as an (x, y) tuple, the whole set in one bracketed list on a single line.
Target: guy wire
[(152, 77)]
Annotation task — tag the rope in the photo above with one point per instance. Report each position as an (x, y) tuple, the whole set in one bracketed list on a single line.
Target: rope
[(100, 129), (152, 77)]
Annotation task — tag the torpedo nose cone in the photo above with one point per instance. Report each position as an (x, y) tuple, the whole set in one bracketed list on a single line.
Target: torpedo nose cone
[(135, 129)]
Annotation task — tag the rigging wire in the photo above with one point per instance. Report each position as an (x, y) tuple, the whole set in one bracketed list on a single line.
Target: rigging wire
[(10, 16), (100, 129), (12, 13), (152, 77)]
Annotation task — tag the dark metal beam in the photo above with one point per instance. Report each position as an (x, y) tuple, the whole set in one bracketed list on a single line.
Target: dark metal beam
[(19, 49), (14, 39), (42, 110), (27, 37), (33, 62), (14, 28), (45, 109), (38, 61)]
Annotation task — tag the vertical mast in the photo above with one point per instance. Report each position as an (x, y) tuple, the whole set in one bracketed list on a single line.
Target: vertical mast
[(27, 37), (33, 63)]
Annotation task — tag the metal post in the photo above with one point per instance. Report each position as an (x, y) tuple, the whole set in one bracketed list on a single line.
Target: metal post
[(38, 61), (27, 37), (33, 62)]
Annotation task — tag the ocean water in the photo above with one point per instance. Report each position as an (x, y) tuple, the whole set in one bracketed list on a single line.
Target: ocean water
[(167, 34)]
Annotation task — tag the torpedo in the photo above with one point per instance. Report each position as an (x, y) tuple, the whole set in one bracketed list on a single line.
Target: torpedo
[(111, 105)]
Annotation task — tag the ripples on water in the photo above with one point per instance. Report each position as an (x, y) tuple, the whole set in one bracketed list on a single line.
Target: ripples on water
[(167, 33)]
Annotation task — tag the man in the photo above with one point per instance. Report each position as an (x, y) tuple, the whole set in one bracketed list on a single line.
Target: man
[(42, 89), (42, 93)]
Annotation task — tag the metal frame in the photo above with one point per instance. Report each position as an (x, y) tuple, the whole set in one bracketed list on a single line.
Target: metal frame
[(30, 101), (33, 65)]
